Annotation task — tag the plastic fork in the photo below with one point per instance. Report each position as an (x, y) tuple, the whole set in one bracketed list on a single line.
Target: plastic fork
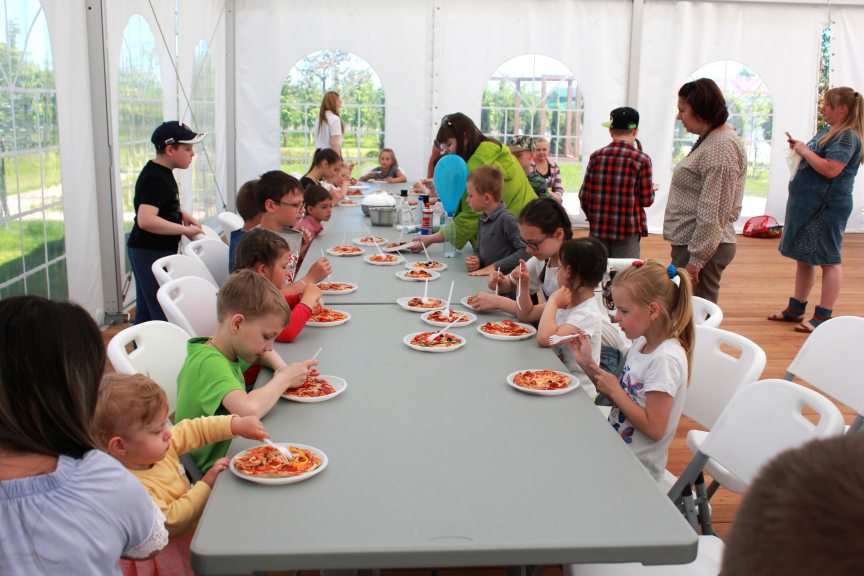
[(282, 449), (555, 339), (432, 337)]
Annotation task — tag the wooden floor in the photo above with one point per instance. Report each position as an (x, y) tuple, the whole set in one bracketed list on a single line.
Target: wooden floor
[(758, 282)]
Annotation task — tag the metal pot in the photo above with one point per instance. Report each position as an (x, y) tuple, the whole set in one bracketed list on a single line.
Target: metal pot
[(382, 216)]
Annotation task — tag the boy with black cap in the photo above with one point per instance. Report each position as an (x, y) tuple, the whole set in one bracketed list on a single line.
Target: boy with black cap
[(617, 188), (159, 219)]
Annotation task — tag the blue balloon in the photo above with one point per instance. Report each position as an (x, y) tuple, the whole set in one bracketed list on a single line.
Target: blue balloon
[(451, 173)]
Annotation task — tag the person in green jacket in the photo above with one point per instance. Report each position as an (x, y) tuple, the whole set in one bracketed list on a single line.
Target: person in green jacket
[(459, 135)]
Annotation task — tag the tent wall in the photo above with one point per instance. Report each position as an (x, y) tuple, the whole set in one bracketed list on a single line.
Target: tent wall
[(434, 57)]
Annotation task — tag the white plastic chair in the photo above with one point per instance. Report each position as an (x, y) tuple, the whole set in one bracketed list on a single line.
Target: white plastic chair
[(176, 266), (826, 362), (743, 439), (230, 222), (214, 255), (190, 303), (156, 349), (706, 312)]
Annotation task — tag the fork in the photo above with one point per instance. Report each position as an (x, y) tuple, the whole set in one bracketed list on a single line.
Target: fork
[(555, 339), (432, 337), (282, 449)]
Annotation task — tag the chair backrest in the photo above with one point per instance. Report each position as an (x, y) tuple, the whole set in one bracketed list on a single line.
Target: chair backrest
[(176, 266), (717, 374), (612, 265), (190, 303), (827, 360), (230, 222), (764, 419), (214, 255), (156, 349), (706, 313)]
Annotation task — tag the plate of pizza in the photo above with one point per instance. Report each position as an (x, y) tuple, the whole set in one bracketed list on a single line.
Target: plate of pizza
[(542, 382), (327, 317), (506, 330), (358, 187), (345, 250), (336, 288), (265, 464), (442, 318), (316, 388), (369, 240), (416, 275), (348, 202), (427, 265), (444, 342), (352, 191), (416, 304), (384, 259), (465, 303), (396, 246)]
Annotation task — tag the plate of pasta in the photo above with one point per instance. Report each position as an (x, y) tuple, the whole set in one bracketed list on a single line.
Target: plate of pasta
[(542, 382), (369, 240), (506, 330), (384, 259), (265, 464), (336, 288), (426, 265), (416, 304), (444, 342), (396, 246), (323, 317), (414, 275), (345, 250), (442, 318), (316, 388)]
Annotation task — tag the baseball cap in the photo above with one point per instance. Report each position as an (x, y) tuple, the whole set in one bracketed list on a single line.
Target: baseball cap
[(625, 118), (521, 143), (173, 132)]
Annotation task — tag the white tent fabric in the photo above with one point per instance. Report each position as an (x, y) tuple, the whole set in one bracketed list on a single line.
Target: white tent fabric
[(434, 57), (848, 45)]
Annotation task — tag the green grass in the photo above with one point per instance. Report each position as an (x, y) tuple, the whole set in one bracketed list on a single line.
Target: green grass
[(29, 171), (571, 176), (33, 241)]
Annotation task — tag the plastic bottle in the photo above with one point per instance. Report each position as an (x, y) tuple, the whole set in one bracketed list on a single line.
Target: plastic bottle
[(422, 200), (449, 236), (404, 218), (439, 216), (426, 221)]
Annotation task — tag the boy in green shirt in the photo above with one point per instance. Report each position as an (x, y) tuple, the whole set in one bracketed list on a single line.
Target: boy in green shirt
[(251, 313)]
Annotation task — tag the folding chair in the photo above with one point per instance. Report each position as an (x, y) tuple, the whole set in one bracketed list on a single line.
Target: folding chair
[(706, 312), (214, 255), (176, 266), (190, 303), (230, 222), (824, 362)]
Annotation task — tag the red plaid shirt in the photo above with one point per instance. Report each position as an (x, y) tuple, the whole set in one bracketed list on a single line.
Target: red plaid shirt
[(616, 189)]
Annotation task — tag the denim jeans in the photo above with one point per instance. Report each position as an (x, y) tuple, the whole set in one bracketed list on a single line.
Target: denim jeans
[(146, 306)]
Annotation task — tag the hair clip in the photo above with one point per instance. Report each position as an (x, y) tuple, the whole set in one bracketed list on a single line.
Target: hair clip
[(672, 271), (637, 263)]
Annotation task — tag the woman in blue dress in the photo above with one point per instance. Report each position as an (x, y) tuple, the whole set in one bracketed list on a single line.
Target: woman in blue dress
[(819, 204)]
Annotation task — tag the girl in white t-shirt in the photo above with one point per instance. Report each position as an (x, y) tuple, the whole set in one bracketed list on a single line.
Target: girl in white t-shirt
[(544, 226), (653, 308), (572, 309), (330, 128)]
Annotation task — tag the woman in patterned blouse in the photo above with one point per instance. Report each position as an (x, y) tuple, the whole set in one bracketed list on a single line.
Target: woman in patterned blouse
[(706, 190), (548, 169)]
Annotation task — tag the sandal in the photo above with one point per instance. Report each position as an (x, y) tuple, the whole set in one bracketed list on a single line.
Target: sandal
[(794, 312), (819, 316)]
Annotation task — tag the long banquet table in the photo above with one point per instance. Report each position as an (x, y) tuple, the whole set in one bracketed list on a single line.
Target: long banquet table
[(434, 460)]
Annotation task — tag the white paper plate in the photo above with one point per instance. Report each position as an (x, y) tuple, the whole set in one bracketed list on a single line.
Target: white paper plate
[(327, 324), (358, 187), (573, 384), (413, 265), (347, 204), (532, 332), (360, 241), (402, 246), (332, 251), (464, 303), (289, 479), (338, 292), (398, 259), (471, 319), (402, 276), (403, 302), (409, 337), (339, 384)]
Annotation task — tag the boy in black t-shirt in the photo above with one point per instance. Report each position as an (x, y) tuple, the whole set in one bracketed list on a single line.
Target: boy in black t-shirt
[(159, 219)]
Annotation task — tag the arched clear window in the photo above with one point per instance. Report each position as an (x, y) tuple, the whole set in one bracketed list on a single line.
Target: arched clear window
[(139, 107), (206, 201), (362, 110), (538, 96), (32, 232), (751, 112)]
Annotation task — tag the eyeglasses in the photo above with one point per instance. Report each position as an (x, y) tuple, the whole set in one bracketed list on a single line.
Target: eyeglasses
[(295, 205), (535, 245)]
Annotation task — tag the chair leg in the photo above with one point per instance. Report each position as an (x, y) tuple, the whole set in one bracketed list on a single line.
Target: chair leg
[(857, 425), (703, 507), (687, 508), (681, 492), (712, 488)]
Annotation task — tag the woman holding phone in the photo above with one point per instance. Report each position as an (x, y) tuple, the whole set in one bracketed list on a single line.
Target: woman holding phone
[(819, 204)]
